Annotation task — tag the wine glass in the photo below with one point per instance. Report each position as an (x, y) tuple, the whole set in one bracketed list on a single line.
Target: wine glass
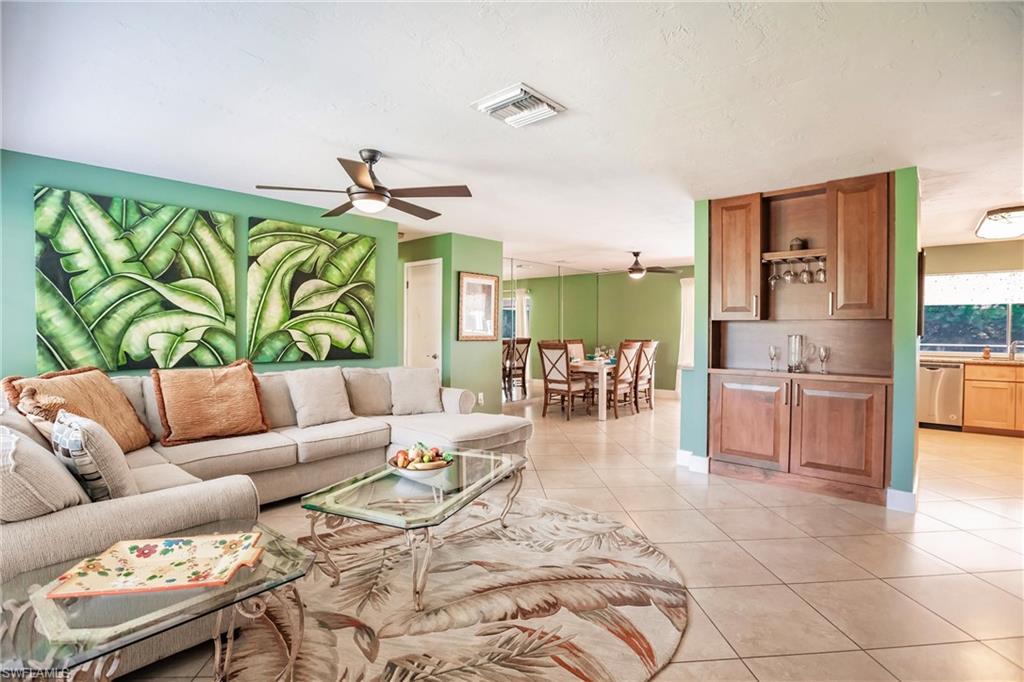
[(806, 276), (773, 354), (788, 275), (823, 354), (774, 279), (820, 276)]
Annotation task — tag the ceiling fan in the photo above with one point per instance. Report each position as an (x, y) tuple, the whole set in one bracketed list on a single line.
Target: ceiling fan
[(636, 270), (370, 196)]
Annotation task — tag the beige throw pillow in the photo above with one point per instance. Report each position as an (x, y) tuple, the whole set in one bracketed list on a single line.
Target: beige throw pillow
[(87, 392), (92, 455), (415, 390), (369, 391), (214, 402), (319, 395), (32, 481)]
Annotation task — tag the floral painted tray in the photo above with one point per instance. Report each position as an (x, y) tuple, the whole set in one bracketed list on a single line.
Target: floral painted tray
[(134, 566)]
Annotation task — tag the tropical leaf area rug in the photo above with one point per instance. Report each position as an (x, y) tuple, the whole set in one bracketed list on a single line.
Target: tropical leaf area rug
[(562, 594)]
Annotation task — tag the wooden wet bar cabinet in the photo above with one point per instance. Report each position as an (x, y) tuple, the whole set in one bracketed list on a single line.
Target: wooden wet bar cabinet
[(827, 432)]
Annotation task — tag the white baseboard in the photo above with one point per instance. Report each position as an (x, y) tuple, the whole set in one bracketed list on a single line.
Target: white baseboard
[(900, 500), (667, 393), (698, 465)]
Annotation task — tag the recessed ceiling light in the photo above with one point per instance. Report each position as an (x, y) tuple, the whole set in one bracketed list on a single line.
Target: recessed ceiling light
[(518, 105), (1002, 223)]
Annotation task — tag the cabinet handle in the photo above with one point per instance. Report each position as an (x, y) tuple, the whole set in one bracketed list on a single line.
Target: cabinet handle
[(831, 303), (757, 313), (796, 395), (785, 393)]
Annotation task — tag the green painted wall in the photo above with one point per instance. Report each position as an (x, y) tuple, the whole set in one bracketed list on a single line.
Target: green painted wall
[(905, 341), (473, 365), (604, 309), (998, 256), (693, 404), (21, 173)]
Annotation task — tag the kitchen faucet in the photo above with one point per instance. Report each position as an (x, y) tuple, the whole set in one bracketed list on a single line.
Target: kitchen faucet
[(1013, 349)]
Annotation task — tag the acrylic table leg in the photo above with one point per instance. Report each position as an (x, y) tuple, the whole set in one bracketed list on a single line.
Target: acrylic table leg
[(288, 597), (517, 484), (421, 544), (323, 552)]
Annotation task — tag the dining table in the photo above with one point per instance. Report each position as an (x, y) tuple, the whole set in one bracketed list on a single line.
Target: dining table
[(600, 369)]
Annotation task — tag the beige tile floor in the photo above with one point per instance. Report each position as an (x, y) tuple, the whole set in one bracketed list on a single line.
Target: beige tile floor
[(788, 585)]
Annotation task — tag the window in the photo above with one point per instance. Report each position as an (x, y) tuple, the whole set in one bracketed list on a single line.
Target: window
[(964, 313)]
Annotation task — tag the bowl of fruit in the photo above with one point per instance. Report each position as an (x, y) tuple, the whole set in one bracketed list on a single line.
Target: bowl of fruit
[(420, 462)]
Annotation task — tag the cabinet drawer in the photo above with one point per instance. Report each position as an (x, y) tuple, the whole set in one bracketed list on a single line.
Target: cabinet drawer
[(990, 372), (990, 404)]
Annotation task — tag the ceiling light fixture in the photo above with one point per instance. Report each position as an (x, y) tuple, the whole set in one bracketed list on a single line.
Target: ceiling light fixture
[(1002, 223), (518, 105), (636, 271), (369, 201)]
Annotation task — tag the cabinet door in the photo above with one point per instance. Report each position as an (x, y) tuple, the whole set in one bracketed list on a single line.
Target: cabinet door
[(989, 404), (839, 431), (858, 247), (1018, 402), (750, 421), (737, 239)]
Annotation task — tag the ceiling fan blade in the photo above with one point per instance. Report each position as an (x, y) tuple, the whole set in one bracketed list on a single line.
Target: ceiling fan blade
[(358, 171), (301, 189), (659, 270), (338, 210), (440, 191), (413, 209)]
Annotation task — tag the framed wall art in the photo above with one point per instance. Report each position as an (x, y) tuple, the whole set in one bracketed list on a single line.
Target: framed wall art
[(478, 307)]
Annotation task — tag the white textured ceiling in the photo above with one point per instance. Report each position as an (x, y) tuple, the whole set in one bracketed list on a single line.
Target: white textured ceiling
[(666, 102)]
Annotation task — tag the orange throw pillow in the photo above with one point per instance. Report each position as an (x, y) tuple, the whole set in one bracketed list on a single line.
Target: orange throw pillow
[(215, 402), (87, 392)]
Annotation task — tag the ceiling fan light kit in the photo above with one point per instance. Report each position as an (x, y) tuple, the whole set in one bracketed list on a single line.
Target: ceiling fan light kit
[(368, 195), (636, 271)]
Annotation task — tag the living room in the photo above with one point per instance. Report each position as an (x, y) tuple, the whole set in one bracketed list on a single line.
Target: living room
[(512, 341)]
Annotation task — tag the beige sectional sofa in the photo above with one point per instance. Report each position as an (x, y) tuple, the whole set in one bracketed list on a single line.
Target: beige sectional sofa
[(185, 486)]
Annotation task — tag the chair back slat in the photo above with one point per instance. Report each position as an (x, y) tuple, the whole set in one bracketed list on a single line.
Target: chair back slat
[(625, 366), (645, 364), (577, 350), (521, 351), (554, 361)]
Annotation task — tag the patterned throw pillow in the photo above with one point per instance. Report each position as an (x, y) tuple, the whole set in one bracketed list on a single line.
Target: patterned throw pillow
[(93, 456)]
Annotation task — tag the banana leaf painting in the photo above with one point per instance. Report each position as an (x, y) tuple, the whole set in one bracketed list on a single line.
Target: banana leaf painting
[(310, 293), (128, 284)]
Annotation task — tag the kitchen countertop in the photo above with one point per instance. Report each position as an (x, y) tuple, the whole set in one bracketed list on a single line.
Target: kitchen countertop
[(807, 376), (973, 360)]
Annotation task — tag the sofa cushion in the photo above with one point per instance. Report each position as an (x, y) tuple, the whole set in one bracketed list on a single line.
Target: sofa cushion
[(161, 476), (237, 455), (415, 390), (338, 438), (90, 393), (143, 457), (132, 389), (369, 391), (276, 400), (463, 431), (32, 481), (319, 395), (208, 402), (93, 456)]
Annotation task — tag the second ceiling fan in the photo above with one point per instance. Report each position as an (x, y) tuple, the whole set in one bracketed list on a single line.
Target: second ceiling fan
[(368, 195)]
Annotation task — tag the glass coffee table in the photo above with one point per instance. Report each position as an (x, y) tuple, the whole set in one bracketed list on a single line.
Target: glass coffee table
[(384, 497), (81, 638)]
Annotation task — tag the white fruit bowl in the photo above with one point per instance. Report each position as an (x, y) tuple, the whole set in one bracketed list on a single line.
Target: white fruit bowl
[(417, 474)]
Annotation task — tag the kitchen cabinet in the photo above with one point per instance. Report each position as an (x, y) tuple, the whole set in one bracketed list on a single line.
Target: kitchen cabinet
[(991, 404), (750, 420), (839, 431), (833, 429), (1019, 405), (858, 247), (737, 240)]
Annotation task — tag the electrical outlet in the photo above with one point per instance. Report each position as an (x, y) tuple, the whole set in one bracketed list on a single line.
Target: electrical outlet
[(480, 398)]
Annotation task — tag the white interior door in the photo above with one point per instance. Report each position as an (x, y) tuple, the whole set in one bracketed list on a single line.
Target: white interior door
[(423, 297)]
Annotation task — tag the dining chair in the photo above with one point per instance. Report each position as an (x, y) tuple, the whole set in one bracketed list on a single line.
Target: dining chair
[(506, 367), (624, 377), (577, 351), (517, 365), (644, 384), (559, 385)]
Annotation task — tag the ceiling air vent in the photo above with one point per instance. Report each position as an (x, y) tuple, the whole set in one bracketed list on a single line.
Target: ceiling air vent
[(518, 105)]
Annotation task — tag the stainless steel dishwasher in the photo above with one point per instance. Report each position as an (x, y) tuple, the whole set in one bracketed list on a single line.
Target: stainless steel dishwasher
[(940, 393)]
